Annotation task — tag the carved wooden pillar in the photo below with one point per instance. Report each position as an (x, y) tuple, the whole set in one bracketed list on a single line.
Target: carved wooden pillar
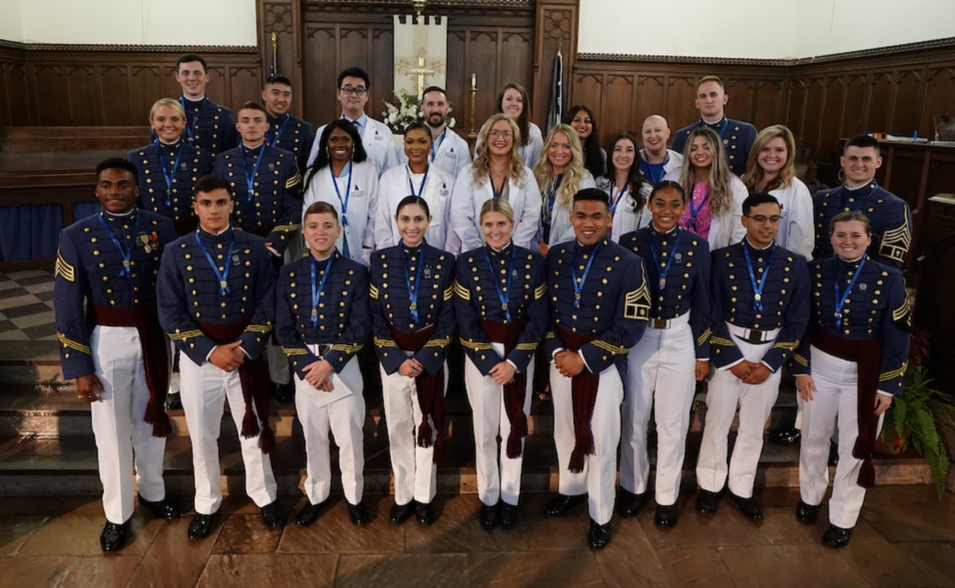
[(555, 28), (284, 18)]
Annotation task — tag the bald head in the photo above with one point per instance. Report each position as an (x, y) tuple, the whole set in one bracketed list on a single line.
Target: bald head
[(656, 133)]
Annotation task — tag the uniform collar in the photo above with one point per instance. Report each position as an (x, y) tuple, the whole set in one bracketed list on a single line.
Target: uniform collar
[(662, 234), (870, 185), (222, 236), (505, 251), (198, 102), (273, 120), (768, 248), (588, 249), (849, 265), (169, 146), (412, 250), (118, 216), (715, 125), (324, 261), (249, 150)]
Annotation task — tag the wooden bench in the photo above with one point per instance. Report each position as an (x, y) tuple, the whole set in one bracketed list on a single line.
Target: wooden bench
[(53, 139)]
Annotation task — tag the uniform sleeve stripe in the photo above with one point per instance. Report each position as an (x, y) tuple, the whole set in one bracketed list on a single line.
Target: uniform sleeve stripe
[(474, 345), (73, 344), (185, 335)]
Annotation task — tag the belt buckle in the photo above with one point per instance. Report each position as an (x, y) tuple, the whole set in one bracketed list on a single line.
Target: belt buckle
[(659, 323), (755, 336)]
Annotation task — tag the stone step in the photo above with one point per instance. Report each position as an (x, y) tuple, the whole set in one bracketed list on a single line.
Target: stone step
[(68, 467)]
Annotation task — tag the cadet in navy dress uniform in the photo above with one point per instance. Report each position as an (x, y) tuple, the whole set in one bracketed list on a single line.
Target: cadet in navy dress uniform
[(889, 215), (286, 131), (760, 303), (736, 136), (848, 367), (209, 126), (599, 306), (502, 314), (265, 183), (412, 285), (169, 167), (672, 355), (115, 349), (219, 311), (322, 320)]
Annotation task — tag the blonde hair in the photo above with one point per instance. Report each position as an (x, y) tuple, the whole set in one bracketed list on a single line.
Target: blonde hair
[(482, 162), (573, 173), (170, 103), (754, 173), (718, 181), (497, 205)]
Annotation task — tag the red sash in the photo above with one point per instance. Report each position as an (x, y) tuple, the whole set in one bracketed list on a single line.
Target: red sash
[(155, 348), (516, 391), (254, 376), (430, 393), (584, 394), (868, 354)]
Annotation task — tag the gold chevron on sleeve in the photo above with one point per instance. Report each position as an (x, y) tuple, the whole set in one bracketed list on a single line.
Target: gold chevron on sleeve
[(286, 228), (373, 291), (800, 360), (293, 181), (896, 242), (64, 269), (540, 291), (462, 292), (902, 312), (73, 344), (706, 335), (721, 341), (449, 293), (637, 304), (787, 345)]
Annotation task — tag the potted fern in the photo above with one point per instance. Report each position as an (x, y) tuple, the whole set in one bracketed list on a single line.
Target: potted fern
[(915, 415)]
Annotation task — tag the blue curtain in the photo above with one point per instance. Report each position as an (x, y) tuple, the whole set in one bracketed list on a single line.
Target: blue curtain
[(29, 232)]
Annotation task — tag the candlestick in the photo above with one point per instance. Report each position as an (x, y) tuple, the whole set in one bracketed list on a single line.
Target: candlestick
[(473, 132), (473, 81)]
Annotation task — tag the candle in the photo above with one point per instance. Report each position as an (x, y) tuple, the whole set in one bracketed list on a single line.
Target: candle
[(473, 81)]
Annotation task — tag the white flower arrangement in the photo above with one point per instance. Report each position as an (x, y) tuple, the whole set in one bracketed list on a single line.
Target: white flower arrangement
[(408, 110)]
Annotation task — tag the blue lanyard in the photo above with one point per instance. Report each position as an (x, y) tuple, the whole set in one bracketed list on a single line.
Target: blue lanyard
[(619, 197), (579, 284), (434, 148), (413, 285), (171, 175), (841, 299), (127, 255), (343, 203), (656, 259), (317, 290), (696, 210), (757, 289), (191, 129), (654, 171), (250, 178), (726, 121), (555, 186), (497, 286), (497, 194), (223, 276), (278, 133), (424, 180), (875, 186)]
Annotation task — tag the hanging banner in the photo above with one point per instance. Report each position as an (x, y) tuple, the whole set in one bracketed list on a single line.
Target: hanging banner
[(421, 53)]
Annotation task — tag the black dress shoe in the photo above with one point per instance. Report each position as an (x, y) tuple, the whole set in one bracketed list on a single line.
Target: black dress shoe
[(163, 509), (272, 515), (308, 514), (806, 513), (560, 504), (836, 536), (707, 501), (749, 507), (113, 537), (200, 526), (401, 512), (508, 515), (173, 401), (630, 503), (283, 392), (788, 436), (424, 513), (665, 515), (358, 514), (599, 535), (488, 516), (833, 454)]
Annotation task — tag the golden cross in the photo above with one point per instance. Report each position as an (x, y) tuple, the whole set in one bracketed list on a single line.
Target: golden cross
[(421, 70)]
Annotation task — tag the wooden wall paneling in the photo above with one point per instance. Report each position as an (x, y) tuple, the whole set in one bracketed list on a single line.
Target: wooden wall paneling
[(54, 106), (282, 18), (855, 113), (14, 99), (588, 90), (114, 81), (85, 96), (516, 55), (680, 108), (649, 98), (555, 29), (382, 47), (320, 54), (741, 105), (145, 84), (812, 121), (881, 97), (796, 110), (483, 54), (907, 102), (769, 104), (244, 84), (833, 111), (458, 83), (939, 97), (618, 99)]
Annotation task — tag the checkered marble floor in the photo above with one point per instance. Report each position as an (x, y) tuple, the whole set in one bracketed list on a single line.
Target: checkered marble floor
[(26, 306)]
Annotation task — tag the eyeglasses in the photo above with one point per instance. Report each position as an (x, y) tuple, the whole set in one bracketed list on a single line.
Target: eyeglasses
[(496, 134), (760, 219), (350, 90)]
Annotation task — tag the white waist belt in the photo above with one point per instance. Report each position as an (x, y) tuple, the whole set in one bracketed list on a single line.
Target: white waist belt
[(670, 323), (753, 335)]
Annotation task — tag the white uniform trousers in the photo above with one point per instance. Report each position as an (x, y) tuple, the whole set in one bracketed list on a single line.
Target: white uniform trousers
[(416, 475), (121, 434), (496, 480), (726, 391), (661, 375), (599, 477), (835, 402), (205, 388), (343, 415)]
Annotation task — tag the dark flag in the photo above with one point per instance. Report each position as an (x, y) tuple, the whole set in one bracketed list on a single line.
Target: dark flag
[(556, 93)]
